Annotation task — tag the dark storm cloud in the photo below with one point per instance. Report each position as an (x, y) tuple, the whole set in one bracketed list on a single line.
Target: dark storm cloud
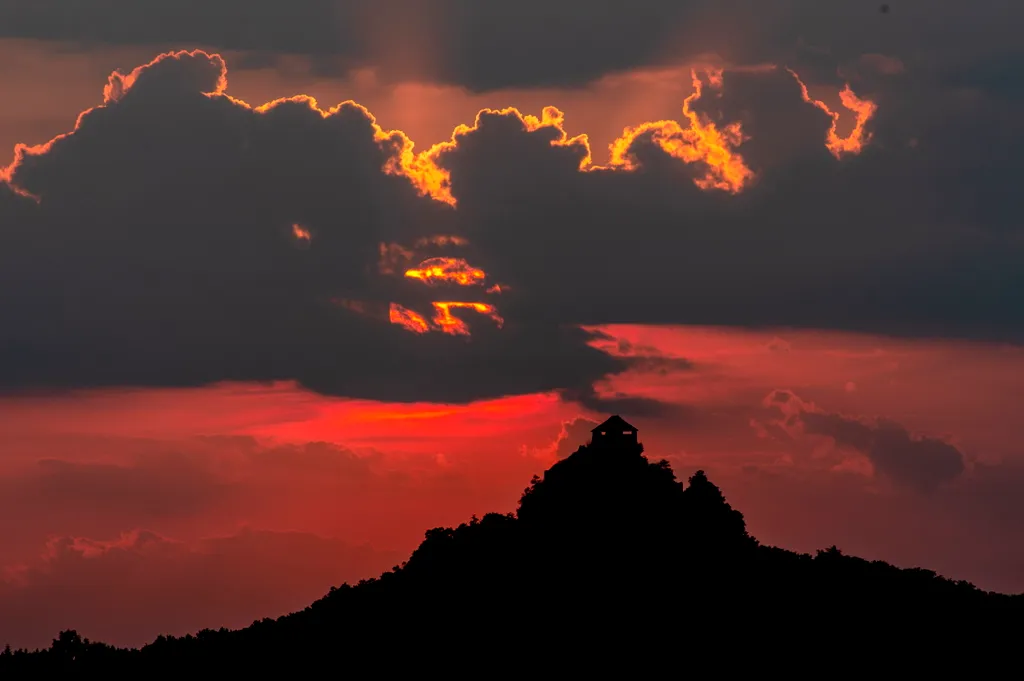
[(490, 45), (919, 234), (161, 251)]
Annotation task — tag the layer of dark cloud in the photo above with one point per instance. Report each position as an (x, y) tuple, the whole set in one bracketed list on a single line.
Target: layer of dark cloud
[(491, 45), (917, 235), (160, 252)]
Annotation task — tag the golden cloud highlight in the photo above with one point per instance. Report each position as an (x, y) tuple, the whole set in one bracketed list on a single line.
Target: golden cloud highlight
[(407, 319), (448, 323), (447, 270), (699, 141), (443, 320), (443, 270), (695, 139), (863, 109)]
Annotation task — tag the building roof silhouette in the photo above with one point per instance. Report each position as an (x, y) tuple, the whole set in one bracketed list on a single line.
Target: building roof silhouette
[(614, 424)]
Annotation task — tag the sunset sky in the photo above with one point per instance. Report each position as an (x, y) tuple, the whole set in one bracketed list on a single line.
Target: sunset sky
[(285, 284)]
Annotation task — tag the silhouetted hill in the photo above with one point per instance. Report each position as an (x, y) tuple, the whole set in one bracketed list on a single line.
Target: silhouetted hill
[(609, 564)]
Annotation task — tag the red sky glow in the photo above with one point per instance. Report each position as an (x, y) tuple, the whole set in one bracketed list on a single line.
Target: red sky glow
[(231, 472)]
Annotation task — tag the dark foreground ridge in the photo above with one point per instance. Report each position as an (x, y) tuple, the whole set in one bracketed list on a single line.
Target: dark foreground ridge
[(608, 564)]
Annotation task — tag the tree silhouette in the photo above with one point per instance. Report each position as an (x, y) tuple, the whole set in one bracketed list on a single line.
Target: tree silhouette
[(713, 528)]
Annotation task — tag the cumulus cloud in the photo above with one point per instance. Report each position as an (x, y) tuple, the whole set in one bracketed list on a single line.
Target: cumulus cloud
[(914, 461), (574, 434), (180, 236), (162, 251)]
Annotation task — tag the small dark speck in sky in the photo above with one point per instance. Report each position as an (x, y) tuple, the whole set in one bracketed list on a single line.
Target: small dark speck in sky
[(884, 9)]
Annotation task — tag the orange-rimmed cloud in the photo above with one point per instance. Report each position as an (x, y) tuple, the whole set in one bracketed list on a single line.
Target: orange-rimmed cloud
[(693, 139), (433, 271), (408, 319), (864, 110), (443, 320), (448, 323), (699, 141), (430, 178), (118, 84), (696, 139), (395, 258)]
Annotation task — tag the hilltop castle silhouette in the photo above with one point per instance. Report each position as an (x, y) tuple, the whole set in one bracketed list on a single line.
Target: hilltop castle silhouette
[(610, 564), (615, 431)]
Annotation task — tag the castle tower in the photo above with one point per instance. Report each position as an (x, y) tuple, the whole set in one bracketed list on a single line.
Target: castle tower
[(614, 431)]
